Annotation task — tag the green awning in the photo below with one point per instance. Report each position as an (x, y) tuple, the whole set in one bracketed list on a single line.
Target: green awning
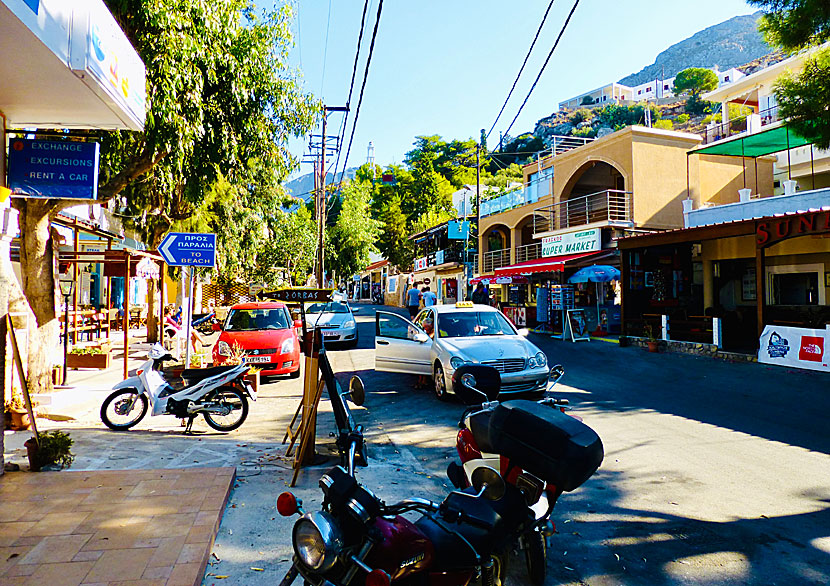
[(759, 144)]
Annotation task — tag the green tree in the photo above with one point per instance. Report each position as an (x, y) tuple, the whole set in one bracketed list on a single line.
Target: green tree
[(353, 236), (393, 241), (221, 103), (290, 248), (792, 25), (694, 81)]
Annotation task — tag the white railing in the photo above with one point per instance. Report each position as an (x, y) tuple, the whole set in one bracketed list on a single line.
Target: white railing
[(528, 252), (610, 206), (495, 259)]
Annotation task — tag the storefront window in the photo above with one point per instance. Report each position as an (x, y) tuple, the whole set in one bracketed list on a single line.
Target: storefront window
[(795, 289)]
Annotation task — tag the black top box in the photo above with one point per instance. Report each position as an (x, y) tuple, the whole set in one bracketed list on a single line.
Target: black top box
[(558, 448)]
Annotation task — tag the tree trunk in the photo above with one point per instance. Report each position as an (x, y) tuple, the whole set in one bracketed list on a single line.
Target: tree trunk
[(39, 269)]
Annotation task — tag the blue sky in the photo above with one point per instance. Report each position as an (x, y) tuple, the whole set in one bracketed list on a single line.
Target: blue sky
[(445, 67)]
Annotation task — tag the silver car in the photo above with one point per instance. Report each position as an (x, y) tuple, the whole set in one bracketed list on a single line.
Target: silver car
[(336, 321), (445, 337)]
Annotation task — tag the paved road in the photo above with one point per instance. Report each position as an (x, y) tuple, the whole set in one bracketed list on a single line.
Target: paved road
[(715, 473)]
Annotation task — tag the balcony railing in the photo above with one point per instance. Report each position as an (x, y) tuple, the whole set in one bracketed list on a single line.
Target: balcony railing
[(528, 252), (495, 259), (610, 206), (739, 126)]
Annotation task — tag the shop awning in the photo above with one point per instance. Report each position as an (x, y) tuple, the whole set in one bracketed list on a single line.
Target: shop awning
[(543, 265), (494, 280), (774, 140)]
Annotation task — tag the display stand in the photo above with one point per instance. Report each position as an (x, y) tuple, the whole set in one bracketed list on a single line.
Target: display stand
[(561, 300), (8, 326)]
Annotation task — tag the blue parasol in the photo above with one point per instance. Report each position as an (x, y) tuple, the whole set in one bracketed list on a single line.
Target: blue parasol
[(595, 274)]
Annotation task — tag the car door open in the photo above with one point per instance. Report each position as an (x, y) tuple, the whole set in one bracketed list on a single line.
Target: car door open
[(400, 345)]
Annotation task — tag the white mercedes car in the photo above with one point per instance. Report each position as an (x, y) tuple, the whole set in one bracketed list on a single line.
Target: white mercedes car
[(445, 337)]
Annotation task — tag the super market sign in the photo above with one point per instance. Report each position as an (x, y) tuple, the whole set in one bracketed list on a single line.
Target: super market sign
[(571, 243)]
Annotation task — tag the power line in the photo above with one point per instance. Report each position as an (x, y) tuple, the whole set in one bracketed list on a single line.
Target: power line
[(522, 68), (362, 87), (325, 50), (351, 84), (558, 38)]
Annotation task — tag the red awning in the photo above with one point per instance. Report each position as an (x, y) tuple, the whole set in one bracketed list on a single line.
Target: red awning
[(494, 280), (542, 265)]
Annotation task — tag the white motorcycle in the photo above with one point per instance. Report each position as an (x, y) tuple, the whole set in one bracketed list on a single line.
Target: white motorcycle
[(220, 394)]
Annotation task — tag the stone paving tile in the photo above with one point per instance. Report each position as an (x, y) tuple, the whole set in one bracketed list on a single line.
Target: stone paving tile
[(108, 528)]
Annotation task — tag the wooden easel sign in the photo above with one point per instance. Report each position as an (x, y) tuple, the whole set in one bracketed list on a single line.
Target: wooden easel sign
[(577, 325)]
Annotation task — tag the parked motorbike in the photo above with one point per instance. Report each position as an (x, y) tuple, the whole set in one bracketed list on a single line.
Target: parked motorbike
[(540, 484), (204, 322), (356, 538), (220, 394)]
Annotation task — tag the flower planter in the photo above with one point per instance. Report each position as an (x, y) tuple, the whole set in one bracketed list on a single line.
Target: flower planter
[(254, 380), (33, 453), (88, 360), (653, 346), (18, 420)]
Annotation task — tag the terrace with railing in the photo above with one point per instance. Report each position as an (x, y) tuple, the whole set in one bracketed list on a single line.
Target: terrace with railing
[(749, 123), (495, 259), (610, 207), (535, 190)]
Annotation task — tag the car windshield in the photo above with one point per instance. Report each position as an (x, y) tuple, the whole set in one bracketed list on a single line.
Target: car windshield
[(330, 307), (256, 319), (465, 324)]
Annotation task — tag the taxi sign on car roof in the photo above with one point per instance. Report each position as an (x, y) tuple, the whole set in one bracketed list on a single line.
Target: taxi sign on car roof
[(464, 304)]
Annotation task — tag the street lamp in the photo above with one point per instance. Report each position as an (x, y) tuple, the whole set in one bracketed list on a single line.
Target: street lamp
[(67, 286)]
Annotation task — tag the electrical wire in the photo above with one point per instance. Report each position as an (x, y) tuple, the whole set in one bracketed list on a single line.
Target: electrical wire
[(522, 68), (325, 51), (542, 70), (362, 88), (351, 84)]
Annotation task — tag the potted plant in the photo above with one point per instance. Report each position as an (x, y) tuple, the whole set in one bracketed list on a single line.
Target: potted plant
[(17, 417), (88, 357), (648, 333), (51, 448), (253, 378)]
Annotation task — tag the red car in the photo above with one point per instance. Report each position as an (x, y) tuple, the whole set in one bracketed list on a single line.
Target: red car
[(267, 335)]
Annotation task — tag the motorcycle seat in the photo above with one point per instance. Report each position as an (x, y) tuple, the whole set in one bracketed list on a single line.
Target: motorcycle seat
[(192, 376)]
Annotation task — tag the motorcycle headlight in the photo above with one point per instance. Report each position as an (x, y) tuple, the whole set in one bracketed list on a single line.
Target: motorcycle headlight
[(287, 345), (541, 359), (457, 362), (317, 540), (223, 348)]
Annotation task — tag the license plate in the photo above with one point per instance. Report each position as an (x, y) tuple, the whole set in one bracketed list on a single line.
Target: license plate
[(257, 359), (331, 334)]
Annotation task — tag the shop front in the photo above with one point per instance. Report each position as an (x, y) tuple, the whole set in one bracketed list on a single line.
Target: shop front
[(756, 276)]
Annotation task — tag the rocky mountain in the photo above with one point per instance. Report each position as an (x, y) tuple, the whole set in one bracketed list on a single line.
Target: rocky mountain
[(303, 185), (731, 43)]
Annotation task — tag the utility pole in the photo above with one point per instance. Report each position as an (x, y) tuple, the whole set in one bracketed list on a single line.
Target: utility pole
[(478, 194), (320, 187)]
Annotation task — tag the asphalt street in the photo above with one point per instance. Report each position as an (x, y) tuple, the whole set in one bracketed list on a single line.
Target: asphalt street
[(714, 472)]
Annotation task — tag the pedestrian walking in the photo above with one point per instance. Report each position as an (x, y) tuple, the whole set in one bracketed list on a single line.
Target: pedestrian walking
[(480, 295), (429, 297), (413, 298)]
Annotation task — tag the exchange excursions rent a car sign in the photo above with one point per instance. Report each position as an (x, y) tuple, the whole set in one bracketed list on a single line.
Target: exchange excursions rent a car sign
[(52, 168)]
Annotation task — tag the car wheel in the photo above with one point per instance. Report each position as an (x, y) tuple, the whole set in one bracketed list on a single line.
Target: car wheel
[(295, 374), (440, 382)]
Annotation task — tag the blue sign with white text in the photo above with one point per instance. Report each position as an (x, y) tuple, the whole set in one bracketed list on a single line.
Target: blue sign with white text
[(52, 168), (458, 230), (185, 249)]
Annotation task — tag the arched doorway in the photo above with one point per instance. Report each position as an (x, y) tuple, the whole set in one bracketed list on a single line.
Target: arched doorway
[(496, 247), (594, 193)]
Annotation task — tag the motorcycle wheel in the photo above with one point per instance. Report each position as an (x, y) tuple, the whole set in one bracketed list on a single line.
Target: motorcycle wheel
[(119, 401), (536, 557), (233, 398)]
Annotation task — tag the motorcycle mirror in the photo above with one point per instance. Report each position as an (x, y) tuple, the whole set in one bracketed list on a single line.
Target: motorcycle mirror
[(488, 483), (288, 504), (474, 382), (556, 372), (357, 391)]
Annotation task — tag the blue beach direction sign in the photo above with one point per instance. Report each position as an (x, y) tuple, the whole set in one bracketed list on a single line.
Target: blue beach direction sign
[(186, 249)]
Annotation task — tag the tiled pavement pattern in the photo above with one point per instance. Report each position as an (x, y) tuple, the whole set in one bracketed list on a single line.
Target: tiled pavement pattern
[(138, 527)]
